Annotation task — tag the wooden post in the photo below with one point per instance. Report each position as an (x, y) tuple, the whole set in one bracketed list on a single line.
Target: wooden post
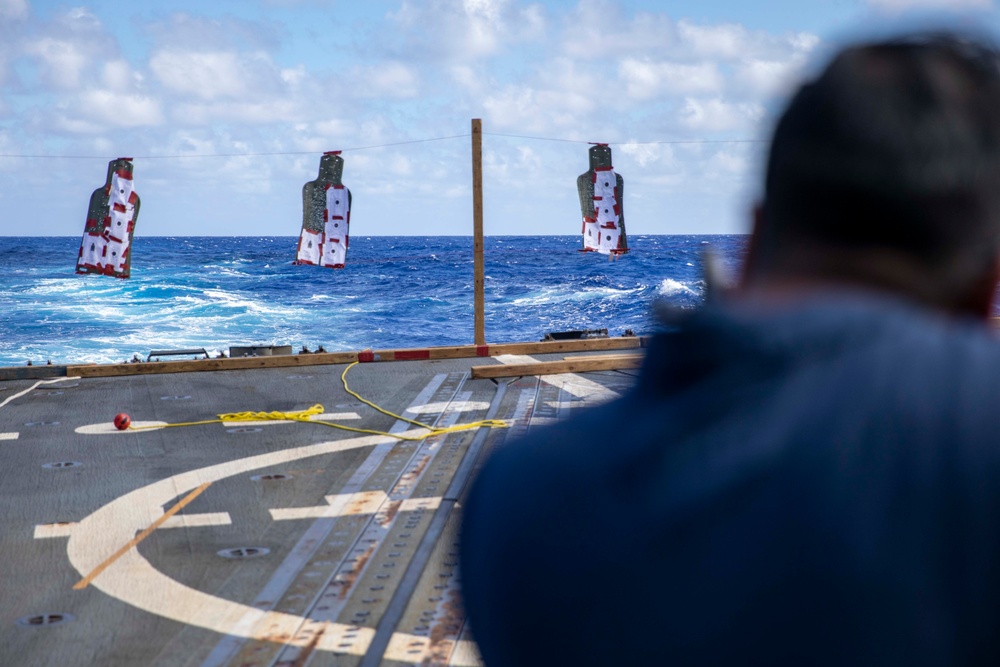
[(477, 232)]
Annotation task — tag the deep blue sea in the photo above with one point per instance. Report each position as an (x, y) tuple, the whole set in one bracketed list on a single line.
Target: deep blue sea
[(214, 292)]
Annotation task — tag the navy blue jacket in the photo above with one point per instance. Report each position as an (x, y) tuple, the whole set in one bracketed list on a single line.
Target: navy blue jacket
[(810, 485)]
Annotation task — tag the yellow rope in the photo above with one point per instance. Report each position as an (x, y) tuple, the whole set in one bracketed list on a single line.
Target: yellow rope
[(306, 416)]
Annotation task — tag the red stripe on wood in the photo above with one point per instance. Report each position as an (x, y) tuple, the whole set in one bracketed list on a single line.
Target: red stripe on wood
[(407, 355), (482, 350), (366, 355)]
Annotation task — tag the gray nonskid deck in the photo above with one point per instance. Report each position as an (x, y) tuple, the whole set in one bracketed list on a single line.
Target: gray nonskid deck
[(338, 547)]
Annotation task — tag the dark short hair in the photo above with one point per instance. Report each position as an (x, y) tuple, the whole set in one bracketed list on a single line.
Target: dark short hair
[(895, 146)]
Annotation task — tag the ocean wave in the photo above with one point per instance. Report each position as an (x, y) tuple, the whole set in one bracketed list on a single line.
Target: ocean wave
[(558, 295), (671, 287), (220, 291)]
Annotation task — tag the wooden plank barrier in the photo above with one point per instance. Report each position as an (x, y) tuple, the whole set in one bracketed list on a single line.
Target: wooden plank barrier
[(329, 358), (582, 365)]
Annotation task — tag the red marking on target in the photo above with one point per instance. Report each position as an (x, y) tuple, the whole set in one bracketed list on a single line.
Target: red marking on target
[(408, 355)]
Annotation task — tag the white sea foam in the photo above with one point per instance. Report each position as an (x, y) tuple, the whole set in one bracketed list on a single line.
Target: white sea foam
[(671, 287), (556, 295), (230, 300)]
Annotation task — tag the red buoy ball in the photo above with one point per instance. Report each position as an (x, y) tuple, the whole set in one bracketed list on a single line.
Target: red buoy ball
[(122, 421)]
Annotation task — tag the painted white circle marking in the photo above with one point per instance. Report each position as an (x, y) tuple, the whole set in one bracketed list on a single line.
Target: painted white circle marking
[(133, 579)]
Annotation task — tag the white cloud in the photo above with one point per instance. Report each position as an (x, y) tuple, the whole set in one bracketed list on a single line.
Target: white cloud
[(184, 32), (645, 79), (80, 19), (646, 154), (529, 110), (467, 29), (733, 42), (99, 112), (294, 76), (321, 136), (215, 74), (400, 165), (719, 115), (13, 10), (70, 48), (468, 77), (729, 161), (388, 79), (77, 125), (111, 109), (727, 41), (586, 69), (117, 75), (898, 6), (515, 107), (251, 112), (185, 142), (63, 61), (520, 167), (767, 78), (598, 27)]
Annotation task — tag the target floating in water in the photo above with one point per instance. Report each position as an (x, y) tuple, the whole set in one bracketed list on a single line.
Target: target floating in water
[(122, 421)]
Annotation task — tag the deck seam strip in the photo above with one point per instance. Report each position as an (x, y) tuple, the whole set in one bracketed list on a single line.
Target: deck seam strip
[(411, 578)]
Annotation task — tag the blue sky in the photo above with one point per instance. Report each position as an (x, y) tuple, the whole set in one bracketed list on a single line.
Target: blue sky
[(227, 105)]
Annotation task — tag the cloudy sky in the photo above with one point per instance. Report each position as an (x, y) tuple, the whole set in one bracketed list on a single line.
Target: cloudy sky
[(227, 105)]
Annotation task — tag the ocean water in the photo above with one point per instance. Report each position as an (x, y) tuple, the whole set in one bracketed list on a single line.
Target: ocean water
[(214, 292)]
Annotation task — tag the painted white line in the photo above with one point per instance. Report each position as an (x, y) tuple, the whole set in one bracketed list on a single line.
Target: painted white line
[(341, 504), (32, 388), (197, 520), (412, 649), (133, 580), (259, 615), (591, 392), (9, 436), (563, 405), (367, 502), (336, 595), (65, 528), (61, 529), (457, 406), (108, 428)]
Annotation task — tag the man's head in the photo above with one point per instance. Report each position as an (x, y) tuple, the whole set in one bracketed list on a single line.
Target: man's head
[(885, 171)]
